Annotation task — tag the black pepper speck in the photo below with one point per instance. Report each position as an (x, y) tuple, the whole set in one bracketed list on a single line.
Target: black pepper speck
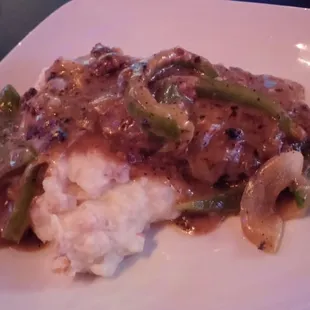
[(29, 94), (197, 60), (234, 133), (234, 110), (51, 76), (145, 124), (262, 245), (242, 176)]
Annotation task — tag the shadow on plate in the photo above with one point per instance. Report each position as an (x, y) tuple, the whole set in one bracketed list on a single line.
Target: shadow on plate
[(128, 262), (31, 271)]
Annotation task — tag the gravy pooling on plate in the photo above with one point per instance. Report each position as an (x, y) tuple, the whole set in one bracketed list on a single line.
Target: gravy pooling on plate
[(112, 143)]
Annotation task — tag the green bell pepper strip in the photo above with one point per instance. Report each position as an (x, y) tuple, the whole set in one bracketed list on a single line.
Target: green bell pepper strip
[(9, 100), (227, 202), (166, 121), (181, 57), (238, 94), (19, 220), (14, 156)]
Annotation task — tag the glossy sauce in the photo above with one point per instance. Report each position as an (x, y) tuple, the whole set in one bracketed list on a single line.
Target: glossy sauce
[(198, 224)]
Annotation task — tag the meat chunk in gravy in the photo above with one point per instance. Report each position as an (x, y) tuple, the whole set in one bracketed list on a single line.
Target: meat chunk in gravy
[(230, 141)]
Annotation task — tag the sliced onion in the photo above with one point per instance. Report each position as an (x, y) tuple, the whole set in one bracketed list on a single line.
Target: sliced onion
[(259, 220)]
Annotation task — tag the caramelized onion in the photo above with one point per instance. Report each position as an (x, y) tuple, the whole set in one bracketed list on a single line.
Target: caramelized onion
[(259, 220)]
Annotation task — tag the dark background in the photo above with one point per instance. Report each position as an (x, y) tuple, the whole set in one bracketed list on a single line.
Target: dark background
[(18, 17)]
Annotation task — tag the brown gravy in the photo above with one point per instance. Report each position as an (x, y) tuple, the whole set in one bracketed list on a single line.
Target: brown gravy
[(198, 224)]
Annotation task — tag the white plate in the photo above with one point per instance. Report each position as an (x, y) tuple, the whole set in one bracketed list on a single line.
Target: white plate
[(217, 271)]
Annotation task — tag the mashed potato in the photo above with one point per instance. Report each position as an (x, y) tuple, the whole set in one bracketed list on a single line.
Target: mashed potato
[(95, 214)]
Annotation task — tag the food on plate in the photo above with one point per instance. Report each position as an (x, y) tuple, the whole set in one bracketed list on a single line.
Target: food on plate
[(107, 144)]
